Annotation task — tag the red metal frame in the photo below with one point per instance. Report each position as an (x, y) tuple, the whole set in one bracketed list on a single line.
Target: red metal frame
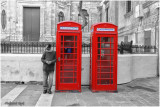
[(103, 57), (68, 54)]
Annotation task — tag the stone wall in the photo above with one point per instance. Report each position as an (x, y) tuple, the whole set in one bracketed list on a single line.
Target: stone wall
[(28, 67)]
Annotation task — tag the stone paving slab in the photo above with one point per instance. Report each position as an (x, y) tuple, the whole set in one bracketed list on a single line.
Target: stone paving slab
[(88, 97), (139, 92), (30, 95), (7, 88), (59, 99)]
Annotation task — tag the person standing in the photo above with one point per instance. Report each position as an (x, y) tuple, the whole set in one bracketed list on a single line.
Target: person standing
[(49, 59)]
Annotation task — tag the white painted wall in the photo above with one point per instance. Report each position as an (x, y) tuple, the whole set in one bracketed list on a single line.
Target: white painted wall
[(28, 67)]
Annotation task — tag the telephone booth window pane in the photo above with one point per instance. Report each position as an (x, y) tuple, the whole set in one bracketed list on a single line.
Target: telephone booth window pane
[(112, 57), (111, 81), (75, 50), (68, 38), (98, 76), (68, 44), (105, 69), (111, 63), (111, 75), (112, 52), (61, 44), (112, 39), (61, 62), (62, 50), (98, 39), (66, 80), (98, 82), (75, 74), (66, 74), (99, 45), (98, 63), (105, 57), (75, 68), (99, 56), (104, 75), (61, 68), (99, 51), (104, 81), (105, 63), (112, 45), (105, 51), (74, 62), (105, 39), (99, 69), (62, 38), (107, 75), (69, 62), (62, 56), (70, 56), (75, 38), (61, 80), (111, 69), (105, 45), (75, 80), (69, 50), (75, 44), (68, 68)]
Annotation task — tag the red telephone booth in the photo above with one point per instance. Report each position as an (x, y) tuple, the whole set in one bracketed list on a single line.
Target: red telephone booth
[(68, 53), (103, 57)]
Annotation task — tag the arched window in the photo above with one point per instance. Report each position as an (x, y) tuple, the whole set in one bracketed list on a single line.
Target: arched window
[(61, 16), (3, 19), (128, 6)]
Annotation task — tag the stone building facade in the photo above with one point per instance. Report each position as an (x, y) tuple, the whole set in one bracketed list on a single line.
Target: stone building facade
[(18, 17), (136, 20)]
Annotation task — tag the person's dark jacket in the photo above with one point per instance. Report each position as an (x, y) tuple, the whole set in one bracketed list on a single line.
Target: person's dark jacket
[(48, 56)]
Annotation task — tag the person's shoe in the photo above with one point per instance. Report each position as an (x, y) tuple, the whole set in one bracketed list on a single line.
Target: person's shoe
[(44, 91), (49, 92)]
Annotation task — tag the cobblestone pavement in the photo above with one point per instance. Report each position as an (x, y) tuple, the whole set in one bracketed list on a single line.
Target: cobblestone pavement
[(139, 92)]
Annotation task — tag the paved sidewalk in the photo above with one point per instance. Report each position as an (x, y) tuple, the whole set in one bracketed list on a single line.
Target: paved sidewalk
[(139, 92)]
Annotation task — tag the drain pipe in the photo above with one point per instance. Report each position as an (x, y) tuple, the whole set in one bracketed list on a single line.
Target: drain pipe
[(158, 45)]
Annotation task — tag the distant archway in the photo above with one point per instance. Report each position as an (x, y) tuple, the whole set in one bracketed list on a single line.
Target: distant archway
[(3, 19), (60, 16)]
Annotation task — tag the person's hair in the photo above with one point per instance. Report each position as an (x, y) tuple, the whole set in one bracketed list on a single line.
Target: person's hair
[(49, 46)]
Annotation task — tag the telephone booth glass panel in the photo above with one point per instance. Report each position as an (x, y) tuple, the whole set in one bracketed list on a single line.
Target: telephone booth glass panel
[(105, 58), (68, 72), (68, 63)]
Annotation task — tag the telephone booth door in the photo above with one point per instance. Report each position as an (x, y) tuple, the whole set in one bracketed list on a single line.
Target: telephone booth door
[(68, 72), (104, 66), (106, 76)]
